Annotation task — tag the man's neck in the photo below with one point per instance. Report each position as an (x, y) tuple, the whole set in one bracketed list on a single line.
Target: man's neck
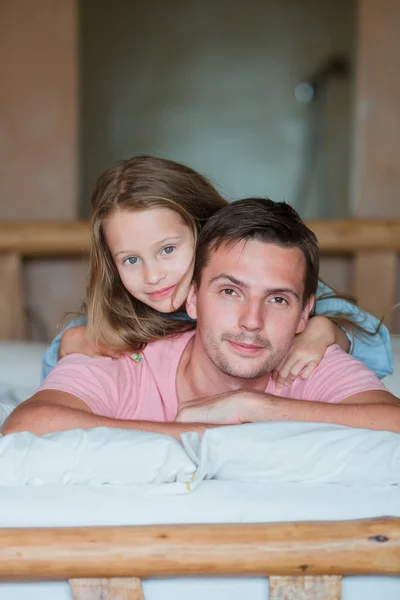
[(198, 377)]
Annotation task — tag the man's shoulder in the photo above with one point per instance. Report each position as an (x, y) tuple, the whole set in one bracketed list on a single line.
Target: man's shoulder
[(338, 376), (336, 362)]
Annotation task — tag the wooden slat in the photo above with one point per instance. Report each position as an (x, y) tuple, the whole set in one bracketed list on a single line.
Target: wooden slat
[(12, 316), (72, 238), (305, 588), (374, 282), (45, 238), (107, 589), (315, 548)]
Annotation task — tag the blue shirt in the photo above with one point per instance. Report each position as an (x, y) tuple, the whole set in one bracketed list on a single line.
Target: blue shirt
[(374, 351)]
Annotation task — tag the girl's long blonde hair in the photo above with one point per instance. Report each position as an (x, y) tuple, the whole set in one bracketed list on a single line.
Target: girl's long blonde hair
[(118, 322)]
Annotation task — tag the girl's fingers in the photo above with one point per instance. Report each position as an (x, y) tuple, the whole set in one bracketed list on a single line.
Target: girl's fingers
[(288, 373), (309, 369)]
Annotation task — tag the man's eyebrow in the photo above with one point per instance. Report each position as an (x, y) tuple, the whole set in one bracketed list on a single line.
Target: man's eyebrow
[(172, 238), (242, 284), (230, 278)]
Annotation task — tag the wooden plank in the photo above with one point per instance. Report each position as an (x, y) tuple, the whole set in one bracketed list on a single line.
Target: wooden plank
[(375, 282), (12, 315), (305, 588), (377, 99), (307, 548), (128, 588), (45, 238), (71, 238)]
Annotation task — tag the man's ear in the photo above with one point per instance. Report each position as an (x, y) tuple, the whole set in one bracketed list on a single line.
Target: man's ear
[(191, 302), (305, 314)]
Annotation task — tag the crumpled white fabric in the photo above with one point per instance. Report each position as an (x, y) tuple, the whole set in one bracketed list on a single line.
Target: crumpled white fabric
[(94, 456), (259, 452), (296, 453), (8, 401)]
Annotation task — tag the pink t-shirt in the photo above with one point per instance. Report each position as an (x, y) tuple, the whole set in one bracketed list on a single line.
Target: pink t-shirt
[(146, 391)]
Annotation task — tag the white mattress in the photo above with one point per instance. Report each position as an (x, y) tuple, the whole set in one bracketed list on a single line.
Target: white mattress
[(213, 501)]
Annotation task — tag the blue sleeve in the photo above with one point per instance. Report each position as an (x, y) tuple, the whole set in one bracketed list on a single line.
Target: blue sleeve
[(50, 357), (374, 351)]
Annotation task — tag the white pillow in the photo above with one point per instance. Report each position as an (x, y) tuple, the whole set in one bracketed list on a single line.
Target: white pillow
[(296, 452), (94, 456), (8, 402)]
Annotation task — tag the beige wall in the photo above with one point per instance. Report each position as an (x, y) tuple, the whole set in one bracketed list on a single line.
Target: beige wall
[(214, 89), (39, 139), (376, 166)]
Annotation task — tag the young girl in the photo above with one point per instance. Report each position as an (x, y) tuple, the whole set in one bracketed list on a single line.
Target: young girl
[(146, 216)]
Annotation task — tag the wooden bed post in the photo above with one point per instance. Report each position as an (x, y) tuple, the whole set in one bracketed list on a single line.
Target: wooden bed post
[(107, 589), (12, 317), (377, 145), (305, 588)]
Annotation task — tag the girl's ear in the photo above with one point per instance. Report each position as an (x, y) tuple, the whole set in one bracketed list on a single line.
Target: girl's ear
[(191, 302), (305, 314)]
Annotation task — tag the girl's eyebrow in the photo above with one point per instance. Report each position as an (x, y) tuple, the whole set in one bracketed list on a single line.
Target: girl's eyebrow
[(158, 243)]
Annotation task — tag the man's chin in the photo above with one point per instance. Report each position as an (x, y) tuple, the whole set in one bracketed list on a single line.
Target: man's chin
[(237, 371)]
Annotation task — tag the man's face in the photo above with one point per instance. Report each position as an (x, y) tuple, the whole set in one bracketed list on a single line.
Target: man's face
[(249, 306)]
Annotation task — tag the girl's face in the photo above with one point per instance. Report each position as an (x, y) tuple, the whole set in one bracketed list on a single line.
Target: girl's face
[(153, 251)]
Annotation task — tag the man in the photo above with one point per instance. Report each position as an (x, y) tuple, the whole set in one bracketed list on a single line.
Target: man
[(254, 283)]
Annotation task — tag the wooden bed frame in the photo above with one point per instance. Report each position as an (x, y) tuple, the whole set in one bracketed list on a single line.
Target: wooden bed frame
[(303, 560), (373, 245)]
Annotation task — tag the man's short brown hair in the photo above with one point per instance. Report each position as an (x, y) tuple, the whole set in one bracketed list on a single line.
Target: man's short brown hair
[(263, 220)]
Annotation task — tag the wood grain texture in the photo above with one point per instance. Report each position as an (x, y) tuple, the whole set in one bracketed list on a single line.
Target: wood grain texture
[(107, 589), (375, 282), (70, 238), (12, 314), (305, 588), (295, 549)]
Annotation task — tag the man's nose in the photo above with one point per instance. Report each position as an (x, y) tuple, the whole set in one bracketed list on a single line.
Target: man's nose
[(252, 316), (153, 273)]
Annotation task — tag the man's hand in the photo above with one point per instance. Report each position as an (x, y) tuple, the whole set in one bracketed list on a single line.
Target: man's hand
[(231, 408)]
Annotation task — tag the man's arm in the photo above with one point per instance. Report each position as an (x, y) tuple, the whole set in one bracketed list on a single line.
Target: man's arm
[(51, 410), (376, 409)]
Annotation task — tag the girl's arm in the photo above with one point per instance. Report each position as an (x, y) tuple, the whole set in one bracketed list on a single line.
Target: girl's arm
[(51, 355), (375, 351), (309, 347)]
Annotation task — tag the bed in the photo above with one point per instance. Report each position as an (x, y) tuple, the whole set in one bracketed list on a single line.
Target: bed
[(219, 538)]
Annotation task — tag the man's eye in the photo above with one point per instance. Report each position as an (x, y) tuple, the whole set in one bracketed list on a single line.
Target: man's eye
[(168, 250), (228, 292), (131, 260), (279, 300)]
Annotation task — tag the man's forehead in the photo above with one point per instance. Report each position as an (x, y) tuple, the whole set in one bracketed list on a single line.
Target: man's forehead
[(254, 260)]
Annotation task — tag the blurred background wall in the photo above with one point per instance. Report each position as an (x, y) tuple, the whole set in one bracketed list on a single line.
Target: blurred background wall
[(214, 84)]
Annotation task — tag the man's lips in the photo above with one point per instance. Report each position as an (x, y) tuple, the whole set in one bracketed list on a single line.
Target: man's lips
[(245, 348), (158, 294)]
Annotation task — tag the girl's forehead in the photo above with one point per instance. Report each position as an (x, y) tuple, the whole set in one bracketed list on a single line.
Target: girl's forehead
[(144, 227)]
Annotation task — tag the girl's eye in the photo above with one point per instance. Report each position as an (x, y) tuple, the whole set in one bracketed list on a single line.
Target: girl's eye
[(228, 292), (279, 300), (168, 250), (131, 260)]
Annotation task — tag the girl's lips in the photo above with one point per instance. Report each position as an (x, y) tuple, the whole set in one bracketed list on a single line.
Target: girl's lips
[(161, 293)]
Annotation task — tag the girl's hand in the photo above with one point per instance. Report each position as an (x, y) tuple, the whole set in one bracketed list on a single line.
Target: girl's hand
[(74, 340), (306, 351)]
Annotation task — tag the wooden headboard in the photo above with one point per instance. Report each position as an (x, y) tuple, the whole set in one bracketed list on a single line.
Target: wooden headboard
[(374, 247)]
